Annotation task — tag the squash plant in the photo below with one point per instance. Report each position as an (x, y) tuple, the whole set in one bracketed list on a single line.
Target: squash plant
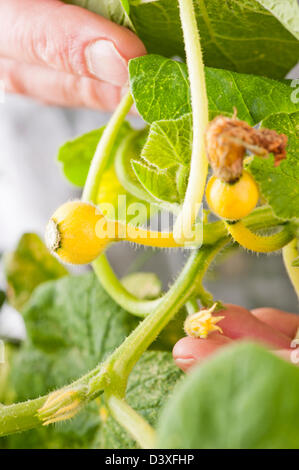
[(97, 358)]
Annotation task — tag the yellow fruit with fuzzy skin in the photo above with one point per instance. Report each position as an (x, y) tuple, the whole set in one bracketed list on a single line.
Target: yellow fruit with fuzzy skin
[(232, 201), (71, 233)]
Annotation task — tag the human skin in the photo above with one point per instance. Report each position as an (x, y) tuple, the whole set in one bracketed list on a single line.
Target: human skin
[(63, 54), (270, 327)]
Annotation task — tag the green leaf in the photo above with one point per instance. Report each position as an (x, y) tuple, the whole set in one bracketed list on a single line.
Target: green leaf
[(160, 89), (164, 167), (76, 155), (72, 325), (280, 185), (28, 266), (143, 285), (245, 397), (149, 387), (286, 11), (75, 312), (114, 10), (130, 149), (238, 35)]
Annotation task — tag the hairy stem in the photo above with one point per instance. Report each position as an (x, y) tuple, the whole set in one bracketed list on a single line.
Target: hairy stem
[(199, 162), (104, 148), (107, 278), (125, 357), (258, 243), (135, 424), (290, 253)]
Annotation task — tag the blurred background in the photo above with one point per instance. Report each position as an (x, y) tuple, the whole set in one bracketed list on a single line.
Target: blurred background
[(32, 186)]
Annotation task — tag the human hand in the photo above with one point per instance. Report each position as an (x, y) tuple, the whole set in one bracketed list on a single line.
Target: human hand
[(63, 54), (272, 328)]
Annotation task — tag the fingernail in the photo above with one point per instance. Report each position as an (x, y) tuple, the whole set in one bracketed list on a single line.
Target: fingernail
[(105, 62), (185, 363)]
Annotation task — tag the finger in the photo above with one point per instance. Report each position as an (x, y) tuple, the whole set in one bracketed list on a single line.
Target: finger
[(190, 351), (239, 323), (67, 38), (57, 88), (286, 323)]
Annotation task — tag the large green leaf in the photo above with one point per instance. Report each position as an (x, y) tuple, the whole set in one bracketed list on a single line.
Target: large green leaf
[(280, 185), (114, 10), (249, 36), (149, 387), (28, 266), (160, 89), (72, 325), (244, 398), (76, 312)]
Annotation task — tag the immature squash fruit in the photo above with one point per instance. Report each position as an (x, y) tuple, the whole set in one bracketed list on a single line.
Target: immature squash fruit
[(71, 233), (232, 201)]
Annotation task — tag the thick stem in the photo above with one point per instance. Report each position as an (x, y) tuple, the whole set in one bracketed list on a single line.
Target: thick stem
[(104, 148), (199, 162), (23, 416), (139, 429), (124, 358), (290, 253), (261, 244)]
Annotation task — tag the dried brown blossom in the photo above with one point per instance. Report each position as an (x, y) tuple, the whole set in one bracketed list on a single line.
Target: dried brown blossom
[(227, 140)]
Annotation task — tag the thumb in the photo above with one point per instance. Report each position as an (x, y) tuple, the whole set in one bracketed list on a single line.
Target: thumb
[(67, 38)]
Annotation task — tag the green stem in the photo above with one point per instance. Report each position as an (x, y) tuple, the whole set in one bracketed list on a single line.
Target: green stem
[(290, 253), (108, 279), (125, 357), (23, 416), (213, 232), (139, 429), (20, 417), (199, 163), (112, 375), (101, 265), (104, 148)]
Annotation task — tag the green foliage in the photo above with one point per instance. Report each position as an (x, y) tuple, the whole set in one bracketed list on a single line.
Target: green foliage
[(149, 387), (164, 167), (286, 11), (236, 35), (115, 10), (72, 325), (75, 312), (28, 266), (76, 155), (280, 185), (160, 89), (244, 398)]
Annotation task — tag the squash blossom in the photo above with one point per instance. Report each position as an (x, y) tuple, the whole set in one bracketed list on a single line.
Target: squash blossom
[(200, 324)]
